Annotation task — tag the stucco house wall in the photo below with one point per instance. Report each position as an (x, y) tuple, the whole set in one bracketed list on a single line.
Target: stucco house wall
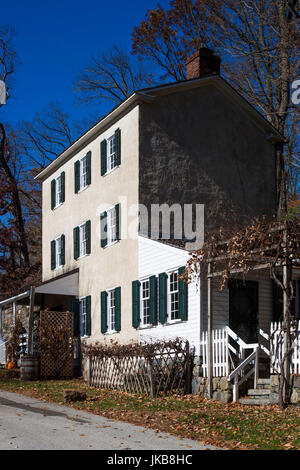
[(113, 266)]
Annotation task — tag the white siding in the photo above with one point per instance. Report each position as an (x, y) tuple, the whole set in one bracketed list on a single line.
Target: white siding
[(221, 302), (155, 258)]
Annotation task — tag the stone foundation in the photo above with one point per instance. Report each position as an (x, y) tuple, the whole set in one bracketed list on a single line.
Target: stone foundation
[(295, 384), (222, 389)]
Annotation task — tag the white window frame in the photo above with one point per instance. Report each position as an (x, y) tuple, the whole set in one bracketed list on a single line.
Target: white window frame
[(144, 301), (82, 241), (170, 293), (111, 311), (111, 229), (58, 191), (58, 262), (83, 174), (82, 316), (111, 153)]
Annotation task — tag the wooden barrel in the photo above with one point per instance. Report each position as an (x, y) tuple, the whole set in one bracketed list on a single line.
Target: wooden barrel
[(29, 368)]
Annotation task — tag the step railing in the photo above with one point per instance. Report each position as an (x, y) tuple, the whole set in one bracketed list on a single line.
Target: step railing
[(239, 376), (225, 354)]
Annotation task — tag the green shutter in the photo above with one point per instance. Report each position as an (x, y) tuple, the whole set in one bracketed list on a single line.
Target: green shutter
[(118, 220), (118, 308), (136, 304), (163, 314), (118, 146), (103, 312), (88, 236), (75, 310), (63, 243), (103, 150), (53, 194), (88, 315), (183, 296), (53, 254), (77, 176), (63, 185), (89, 167), (103, 229), (153, 300), (76, 242)]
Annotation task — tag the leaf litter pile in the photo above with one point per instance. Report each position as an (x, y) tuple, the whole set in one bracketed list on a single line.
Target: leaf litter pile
[(233, 426)]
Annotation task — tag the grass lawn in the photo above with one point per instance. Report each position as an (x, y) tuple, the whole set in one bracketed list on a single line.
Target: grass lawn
[(233, 426)]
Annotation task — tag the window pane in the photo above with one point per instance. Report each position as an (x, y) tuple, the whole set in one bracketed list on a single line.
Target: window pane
[(58, 195), (111, 226), (83, 173), (111, 311), (82, 239), (145, 300), (83, 317), (111, 153), (173, 296)]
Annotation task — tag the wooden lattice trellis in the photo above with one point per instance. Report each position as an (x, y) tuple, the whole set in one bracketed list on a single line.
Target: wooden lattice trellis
[(56, 344), (167, 370)]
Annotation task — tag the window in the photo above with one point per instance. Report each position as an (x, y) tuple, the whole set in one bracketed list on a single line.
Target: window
[(58, 252), (82, 170), (82, 306), (111, 310), (173, 297), (58, 195), (110, 226), (58, 190), (145, 302), (111, 152), (82, 240), (111, 323), (85, 316)]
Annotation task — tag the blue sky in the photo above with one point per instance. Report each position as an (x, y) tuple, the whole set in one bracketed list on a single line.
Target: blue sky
[(54, 42)]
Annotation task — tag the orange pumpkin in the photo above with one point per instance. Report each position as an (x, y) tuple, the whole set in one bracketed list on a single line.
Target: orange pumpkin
[(10, 365)]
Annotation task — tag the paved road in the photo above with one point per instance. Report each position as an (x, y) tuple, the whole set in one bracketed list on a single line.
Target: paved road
[(30, 424)]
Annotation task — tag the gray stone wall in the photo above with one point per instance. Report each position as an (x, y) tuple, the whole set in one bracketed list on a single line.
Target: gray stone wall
[(222, 389), (198, 147), (295, 389)]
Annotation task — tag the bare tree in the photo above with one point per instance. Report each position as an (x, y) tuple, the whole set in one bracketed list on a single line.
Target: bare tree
[(8, 57), (259, 46), (46, 136), (111, 76)]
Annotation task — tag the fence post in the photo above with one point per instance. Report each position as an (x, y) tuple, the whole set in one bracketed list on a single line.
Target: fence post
[(188, 369), (89, 371), (236, 388), (256, 372), (152, 384)]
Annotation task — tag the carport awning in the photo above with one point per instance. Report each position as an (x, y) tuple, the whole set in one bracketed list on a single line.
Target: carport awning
[(64, 285), (67, 284)]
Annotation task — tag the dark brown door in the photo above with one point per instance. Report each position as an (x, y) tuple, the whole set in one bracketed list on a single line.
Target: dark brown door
[(243, 309)]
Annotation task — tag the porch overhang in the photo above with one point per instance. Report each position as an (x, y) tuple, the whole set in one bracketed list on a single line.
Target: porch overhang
[(66, 284), (63, 285)]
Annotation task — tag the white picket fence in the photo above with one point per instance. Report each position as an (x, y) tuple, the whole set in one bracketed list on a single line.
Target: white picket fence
[(223, 351), (277, 348), (220, 352)]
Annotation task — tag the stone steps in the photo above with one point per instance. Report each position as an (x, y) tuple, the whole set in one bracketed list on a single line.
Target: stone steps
[(258, 392), (258, 396), (255, 401)]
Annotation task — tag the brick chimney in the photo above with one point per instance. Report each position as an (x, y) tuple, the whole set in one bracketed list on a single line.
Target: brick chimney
[(202, 63)]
